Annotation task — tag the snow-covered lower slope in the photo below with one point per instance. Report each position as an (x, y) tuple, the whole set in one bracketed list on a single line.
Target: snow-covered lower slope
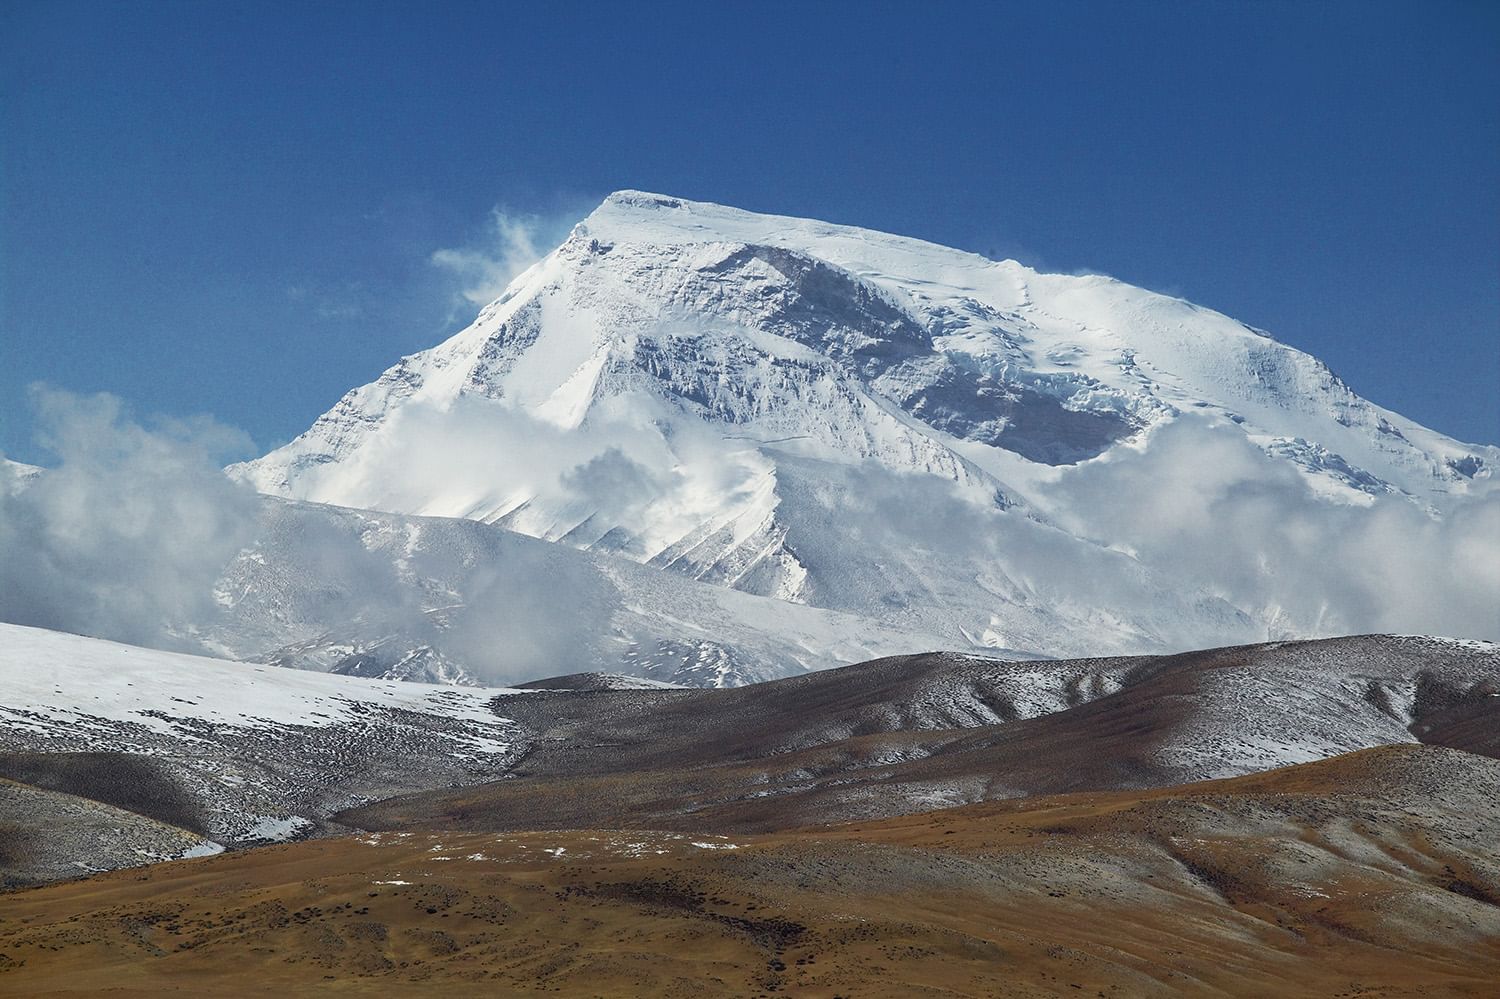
[(266, 753), (450, 600), (865, 423)]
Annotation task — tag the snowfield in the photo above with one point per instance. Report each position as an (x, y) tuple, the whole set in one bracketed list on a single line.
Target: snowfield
[(52, 683), (267, 752)]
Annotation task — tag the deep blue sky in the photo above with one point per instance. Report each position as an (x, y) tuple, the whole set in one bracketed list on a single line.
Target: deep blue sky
[(226, 208)]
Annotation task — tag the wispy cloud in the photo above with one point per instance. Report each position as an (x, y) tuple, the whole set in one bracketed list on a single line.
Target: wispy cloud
[(339, 304), (485, 270), (508, 244)]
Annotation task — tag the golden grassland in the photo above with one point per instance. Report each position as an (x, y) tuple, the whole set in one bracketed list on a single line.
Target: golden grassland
[(1304, 881)]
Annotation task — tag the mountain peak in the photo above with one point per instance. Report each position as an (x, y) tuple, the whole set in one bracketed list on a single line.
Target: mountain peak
[(628, 198), (647, 217), (661, 219), (788, 407)]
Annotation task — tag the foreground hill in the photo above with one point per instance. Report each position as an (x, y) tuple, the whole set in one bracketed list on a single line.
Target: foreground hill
[(1371, 874), (221, 752), (917, 732), (206, 753), (49, 835)]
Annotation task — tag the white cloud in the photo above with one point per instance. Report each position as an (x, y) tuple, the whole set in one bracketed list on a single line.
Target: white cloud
[(129, 531), (633, 462), (1207, 508), (127, 536)]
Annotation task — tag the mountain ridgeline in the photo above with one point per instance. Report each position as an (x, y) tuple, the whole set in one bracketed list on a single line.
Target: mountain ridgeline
[(905, 437)]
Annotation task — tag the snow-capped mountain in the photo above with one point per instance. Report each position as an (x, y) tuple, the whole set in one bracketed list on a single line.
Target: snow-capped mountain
[(861, 422)]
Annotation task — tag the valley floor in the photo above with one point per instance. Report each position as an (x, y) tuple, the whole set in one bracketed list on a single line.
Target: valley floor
[(1371, 874)]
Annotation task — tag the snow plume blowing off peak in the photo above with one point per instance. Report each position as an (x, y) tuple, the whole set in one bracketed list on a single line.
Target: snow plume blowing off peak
[(509, 243)]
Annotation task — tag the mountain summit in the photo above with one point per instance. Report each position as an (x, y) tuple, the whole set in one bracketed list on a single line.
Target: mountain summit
[(872, 424)]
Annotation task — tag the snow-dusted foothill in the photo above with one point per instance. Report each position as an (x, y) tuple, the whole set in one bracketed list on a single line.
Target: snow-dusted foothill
[(258, 752), (911, 733)]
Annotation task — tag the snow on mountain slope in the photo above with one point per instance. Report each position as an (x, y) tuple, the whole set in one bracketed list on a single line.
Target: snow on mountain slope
[(450, 600), (17, 474), (852, 420), (267, 753)]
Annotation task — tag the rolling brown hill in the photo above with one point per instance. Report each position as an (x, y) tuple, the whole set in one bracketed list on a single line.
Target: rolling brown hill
[(1372, 874), (50, 835), (912, 733)]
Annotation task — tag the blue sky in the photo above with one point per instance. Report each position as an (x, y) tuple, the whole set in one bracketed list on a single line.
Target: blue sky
[(233, 208)]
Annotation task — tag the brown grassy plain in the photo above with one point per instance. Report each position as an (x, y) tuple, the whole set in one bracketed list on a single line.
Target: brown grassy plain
[(1373, 874)]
